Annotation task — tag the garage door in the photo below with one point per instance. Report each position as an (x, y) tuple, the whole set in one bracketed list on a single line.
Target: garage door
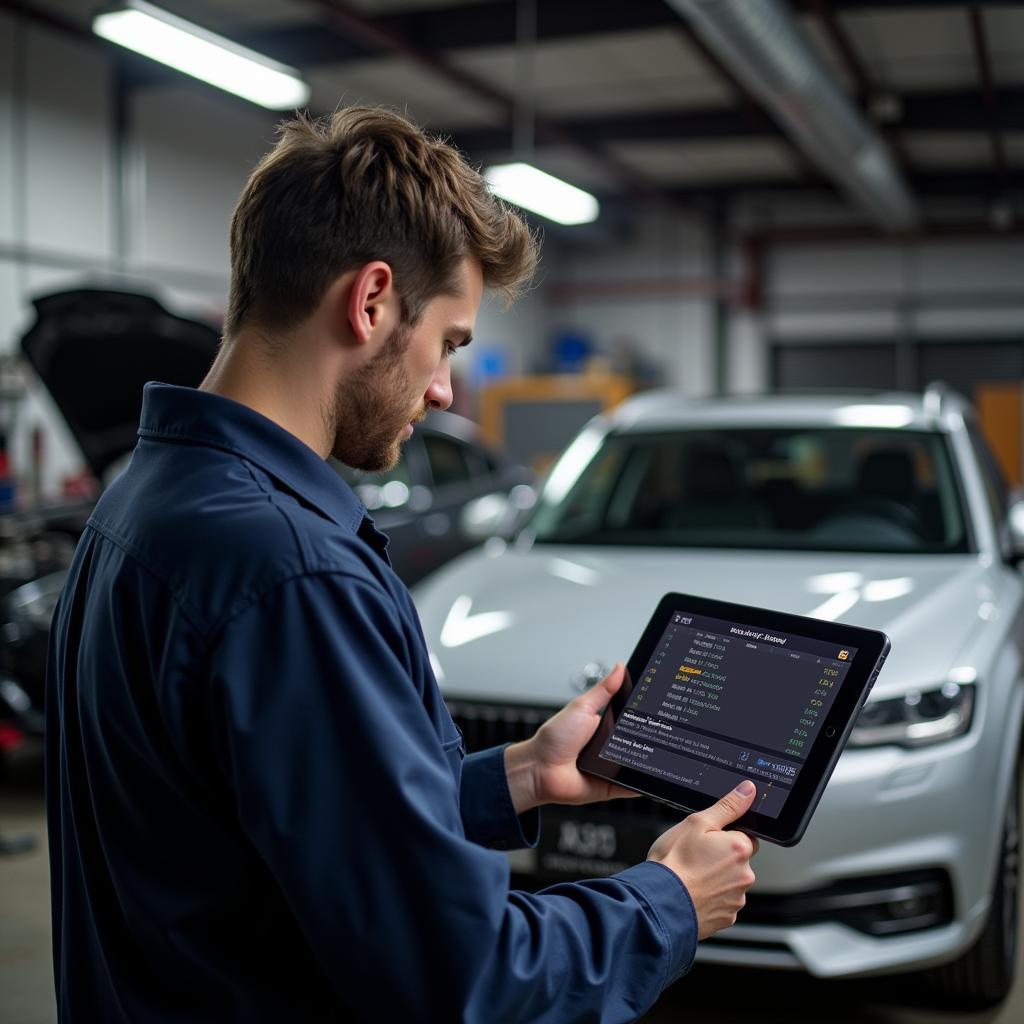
[(853, 365), (962, 364)]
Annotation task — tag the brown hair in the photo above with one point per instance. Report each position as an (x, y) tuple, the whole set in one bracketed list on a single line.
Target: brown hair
[(365, 184)]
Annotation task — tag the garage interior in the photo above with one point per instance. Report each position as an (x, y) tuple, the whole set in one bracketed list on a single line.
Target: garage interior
[(858, 225)]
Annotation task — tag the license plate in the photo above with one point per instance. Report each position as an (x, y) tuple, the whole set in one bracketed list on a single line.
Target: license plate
[(574, 844)]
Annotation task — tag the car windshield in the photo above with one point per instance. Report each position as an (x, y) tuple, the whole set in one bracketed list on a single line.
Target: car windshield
[(840, 489)]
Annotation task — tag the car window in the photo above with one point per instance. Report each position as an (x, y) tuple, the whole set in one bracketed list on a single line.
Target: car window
[(451, 462), (816, 489)]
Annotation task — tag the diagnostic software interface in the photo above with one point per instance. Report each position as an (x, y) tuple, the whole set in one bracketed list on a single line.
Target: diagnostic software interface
[(720, 701)]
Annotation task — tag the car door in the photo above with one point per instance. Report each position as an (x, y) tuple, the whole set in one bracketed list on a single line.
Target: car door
[(396, 499), (458, 474)]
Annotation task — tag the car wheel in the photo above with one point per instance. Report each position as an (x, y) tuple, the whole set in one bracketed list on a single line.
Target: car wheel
[(984, 975)]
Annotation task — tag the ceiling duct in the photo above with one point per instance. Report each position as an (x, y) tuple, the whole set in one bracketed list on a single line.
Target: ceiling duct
[(763, 44)]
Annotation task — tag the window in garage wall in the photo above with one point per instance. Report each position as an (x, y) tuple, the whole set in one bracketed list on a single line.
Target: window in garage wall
[(884, 364), (860, 364), (963, 366)]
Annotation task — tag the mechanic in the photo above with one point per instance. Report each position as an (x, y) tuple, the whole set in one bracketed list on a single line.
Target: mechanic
[(259, 806)]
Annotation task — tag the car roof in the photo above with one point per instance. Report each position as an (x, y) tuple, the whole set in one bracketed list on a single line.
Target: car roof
[(937, 408)]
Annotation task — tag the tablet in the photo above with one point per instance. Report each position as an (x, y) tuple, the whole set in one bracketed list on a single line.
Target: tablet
[(716, 693)]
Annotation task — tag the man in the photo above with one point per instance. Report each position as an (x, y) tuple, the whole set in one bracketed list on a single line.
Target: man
[(259, 806)]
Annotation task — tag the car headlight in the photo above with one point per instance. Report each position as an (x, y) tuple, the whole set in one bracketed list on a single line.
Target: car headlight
[(918, 719)]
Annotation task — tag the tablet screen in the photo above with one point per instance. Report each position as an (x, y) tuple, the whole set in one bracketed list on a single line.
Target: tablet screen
[(720, 701)]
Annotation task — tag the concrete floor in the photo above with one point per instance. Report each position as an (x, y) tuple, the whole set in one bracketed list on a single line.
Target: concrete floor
[(26, 965), (709, 995)]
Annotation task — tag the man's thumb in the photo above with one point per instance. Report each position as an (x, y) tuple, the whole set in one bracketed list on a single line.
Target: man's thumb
[(732, 806), (594, 700)]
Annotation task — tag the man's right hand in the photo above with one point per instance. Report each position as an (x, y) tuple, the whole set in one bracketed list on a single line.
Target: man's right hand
[(713, 865)]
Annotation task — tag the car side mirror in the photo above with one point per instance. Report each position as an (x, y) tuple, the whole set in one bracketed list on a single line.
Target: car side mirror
[(483, 518), (497, 514)]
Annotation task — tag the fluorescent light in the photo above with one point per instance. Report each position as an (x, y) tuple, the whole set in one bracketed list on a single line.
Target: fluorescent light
[(542, 193), (186, 47)]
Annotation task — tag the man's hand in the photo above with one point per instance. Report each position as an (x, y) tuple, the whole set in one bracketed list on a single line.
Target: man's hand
[(713, 865), (542, 769)]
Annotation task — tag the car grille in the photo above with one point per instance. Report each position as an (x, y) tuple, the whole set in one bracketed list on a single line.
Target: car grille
[(489, 725)]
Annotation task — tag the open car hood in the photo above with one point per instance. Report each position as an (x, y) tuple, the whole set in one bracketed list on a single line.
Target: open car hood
[(94, 349)]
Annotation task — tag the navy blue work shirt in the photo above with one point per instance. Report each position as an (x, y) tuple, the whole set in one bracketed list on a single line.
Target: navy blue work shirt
[(259, 806)]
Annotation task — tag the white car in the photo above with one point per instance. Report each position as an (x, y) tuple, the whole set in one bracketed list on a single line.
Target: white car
[(885, 511)]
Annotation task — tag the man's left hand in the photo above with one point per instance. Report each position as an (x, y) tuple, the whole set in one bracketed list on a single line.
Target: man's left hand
[(542, 769)]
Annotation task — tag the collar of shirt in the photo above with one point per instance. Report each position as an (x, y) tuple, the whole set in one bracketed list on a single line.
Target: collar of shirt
[(177, 414)]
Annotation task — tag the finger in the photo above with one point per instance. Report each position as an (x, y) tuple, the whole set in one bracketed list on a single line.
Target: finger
[(617, 792), (732, 806), (596, 699)]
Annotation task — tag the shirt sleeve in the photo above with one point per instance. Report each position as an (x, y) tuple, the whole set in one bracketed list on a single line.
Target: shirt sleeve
[(343, 787), (488, 815)]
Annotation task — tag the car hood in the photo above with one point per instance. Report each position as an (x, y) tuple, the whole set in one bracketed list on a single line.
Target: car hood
[(520, 626), (94, 349)]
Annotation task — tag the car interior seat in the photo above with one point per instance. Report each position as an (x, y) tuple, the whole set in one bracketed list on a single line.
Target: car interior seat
[(714, 493)]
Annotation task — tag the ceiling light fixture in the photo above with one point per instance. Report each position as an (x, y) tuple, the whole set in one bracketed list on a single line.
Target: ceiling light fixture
[(522, 183), (535, 190), (204, 55)]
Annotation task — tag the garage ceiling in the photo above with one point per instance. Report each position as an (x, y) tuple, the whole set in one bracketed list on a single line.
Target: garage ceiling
[(628, 101)]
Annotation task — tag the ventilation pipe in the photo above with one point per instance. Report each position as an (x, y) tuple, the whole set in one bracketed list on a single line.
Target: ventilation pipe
[(763, 44)]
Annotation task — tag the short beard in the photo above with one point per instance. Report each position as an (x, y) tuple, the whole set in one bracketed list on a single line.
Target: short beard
[(366, 426)]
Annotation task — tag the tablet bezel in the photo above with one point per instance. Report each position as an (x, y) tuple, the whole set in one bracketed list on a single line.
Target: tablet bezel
[(788, 828)]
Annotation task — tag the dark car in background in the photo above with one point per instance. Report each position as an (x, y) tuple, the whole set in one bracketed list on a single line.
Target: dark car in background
[(94, 350), (448, 493)]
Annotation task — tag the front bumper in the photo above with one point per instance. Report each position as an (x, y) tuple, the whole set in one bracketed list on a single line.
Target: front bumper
[(894, 827), (835, 951)]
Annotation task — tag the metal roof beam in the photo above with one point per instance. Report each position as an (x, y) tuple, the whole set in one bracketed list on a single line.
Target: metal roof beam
[(466, 26), (968, 183), (353, 24), (888, 6), (956, 111), (858, 72), (463, 26), (983, 60)]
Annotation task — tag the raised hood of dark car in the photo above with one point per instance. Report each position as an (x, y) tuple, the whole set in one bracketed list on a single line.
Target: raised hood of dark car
[(94, 349)]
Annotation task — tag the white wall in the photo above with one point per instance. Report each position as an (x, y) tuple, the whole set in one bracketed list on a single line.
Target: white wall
[(55, 196), (871, 289), (185, 160), (665, 253), (968, 289), (8, 49), (192, 152)]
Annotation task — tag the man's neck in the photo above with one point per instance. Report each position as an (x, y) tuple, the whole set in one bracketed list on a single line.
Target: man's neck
[(251, 370)]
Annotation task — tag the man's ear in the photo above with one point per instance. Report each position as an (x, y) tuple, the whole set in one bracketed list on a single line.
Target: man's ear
[(372, 293)]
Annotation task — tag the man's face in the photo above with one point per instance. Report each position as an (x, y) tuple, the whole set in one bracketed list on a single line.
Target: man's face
[(376, 408)]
